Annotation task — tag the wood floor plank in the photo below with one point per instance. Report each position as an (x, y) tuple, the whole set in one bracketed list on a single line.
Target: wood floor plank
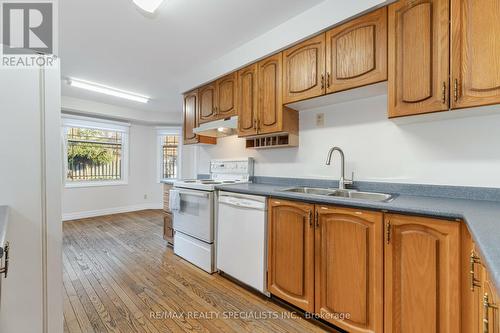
[(119, 276), (80, 313), (71, 324)]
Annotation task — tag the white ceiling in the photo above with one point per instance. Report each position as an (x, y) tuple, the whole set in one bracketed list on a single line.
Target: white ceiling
[(112, 43)]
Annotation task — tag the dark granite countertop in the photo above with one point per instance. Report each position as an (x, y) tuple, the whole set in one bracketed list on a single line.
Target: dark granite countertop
[(482, 217)]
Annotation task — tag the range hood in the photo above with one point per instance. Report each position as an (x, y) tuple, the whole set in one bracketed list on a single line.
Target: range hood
[(218, 128)]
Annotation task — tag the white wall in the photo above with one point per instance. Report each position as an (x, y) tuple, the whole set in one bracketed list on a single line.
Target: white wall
[(88, 201), (306, 24), (27, 97), (460, 151), (92, 108)]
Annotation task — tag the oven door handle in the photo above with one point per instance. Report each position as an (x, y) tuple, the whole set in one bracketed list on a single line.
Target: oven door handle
[(195, 194)]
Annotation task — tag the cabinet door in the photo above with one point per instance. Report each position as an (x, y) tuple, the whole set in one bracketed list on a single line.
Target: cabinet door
[(190, 111), (422, 275), (247, 101), (226, 96), (475, 52), (291, 252), (356, 52), (304, 70), (418, 57), (207, 97), (349, 268), (490, 305), (270, 118)]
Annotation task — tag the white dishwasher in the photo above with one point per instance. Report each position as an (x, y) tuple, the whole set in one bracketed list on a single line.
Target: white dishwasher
[(242, 238)]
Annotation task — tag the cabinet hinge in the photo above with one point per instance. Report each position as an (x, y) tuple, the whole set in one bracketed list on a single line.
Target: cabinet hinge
[(388, 230)]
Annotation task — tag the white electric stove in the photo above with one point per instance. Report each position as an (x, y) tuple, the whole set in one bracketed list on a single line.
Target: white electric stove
[(194, 215)]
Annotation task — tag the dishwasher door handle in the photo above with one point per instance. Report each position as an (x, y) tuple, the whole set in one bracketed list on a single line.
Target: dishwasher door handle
[(242, 203)]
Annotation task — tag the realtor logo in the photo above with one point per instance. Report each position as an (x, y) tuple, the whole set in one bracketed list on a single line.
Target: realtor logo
[(27, 27), (28, 34)]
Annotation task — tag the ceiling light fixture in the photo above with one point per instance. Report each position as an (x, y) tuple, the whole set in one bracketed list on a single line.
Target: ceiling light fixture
[(100, 88), (149, 6)]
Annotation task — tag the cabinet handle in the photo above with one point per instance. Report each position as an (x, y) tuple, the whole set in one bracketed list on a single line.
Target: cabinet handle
[(473, 281), (328, 80), (455, 90), (317, 219), (444, 92), (388, 232), (322, 81), (5, 269), (310, 219), (486, 306)]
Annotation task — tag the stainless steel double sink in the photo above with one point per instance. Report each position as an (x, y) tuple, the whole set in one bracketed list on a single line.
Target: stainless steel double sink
[(347, 193)]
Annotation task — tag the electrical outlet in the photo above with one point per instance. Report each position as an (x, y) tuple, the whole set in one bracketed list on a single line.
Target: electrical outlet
[(320, 120), (145, 196)]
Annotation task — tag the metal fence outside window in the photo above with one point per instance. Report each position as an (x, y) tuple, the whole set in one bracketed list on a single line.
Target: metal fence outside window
[(94, 155), (170, 144)]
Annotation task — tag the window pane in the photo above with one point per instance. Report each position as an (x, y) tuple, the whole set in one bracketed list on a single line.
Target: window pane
[(170, 152), (94, 155)]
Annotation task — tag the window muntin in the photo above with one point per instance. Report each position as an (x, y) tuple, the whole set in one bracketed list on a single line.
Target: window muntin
[(169, 156)]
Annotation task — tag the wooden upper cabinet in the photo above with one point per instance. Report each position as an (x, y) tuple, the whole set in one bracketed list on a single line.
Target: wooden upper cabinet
[(349, 268), (422, 275), (304, 70), (247, 101), (356, 52), (291, 252), (475, 52), (207, 99), (418, 57), (190, 112), (270, 116), (226, 96)]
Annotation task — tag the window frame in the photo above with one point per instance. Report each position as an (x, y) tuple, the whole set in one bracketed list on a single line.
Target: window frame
[(161, 132), (99, 124)]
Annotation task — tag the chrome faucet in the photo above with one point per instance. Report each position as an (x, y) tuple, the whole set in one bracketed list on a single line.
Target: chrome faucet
[(342, 181)]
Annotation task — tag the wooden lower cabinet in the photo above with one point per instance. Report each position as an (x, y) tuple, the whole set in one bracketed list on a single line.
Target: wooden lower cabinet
[(291, 252), (489, 310), (422, 275), (470, 284), (480, 300), (369, 272), (168, 228), (349, 268)]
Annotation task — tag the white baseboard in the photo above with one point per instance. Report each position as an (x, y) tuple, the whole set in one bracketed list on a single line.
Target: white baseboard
[(109, 211)]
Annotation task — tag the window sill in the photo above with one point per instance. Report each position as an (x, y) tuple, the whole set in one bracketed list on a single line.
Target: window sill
[(168, 180), (96, 184)]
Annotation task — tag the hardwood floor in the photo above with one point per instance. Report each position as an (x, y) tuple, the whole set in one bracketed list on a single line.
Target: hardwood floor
[(119, 276)]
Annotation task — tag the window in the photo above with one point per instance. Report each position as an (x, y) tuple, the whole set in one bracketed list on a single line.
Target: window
[(95, 152), (169, 153)]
